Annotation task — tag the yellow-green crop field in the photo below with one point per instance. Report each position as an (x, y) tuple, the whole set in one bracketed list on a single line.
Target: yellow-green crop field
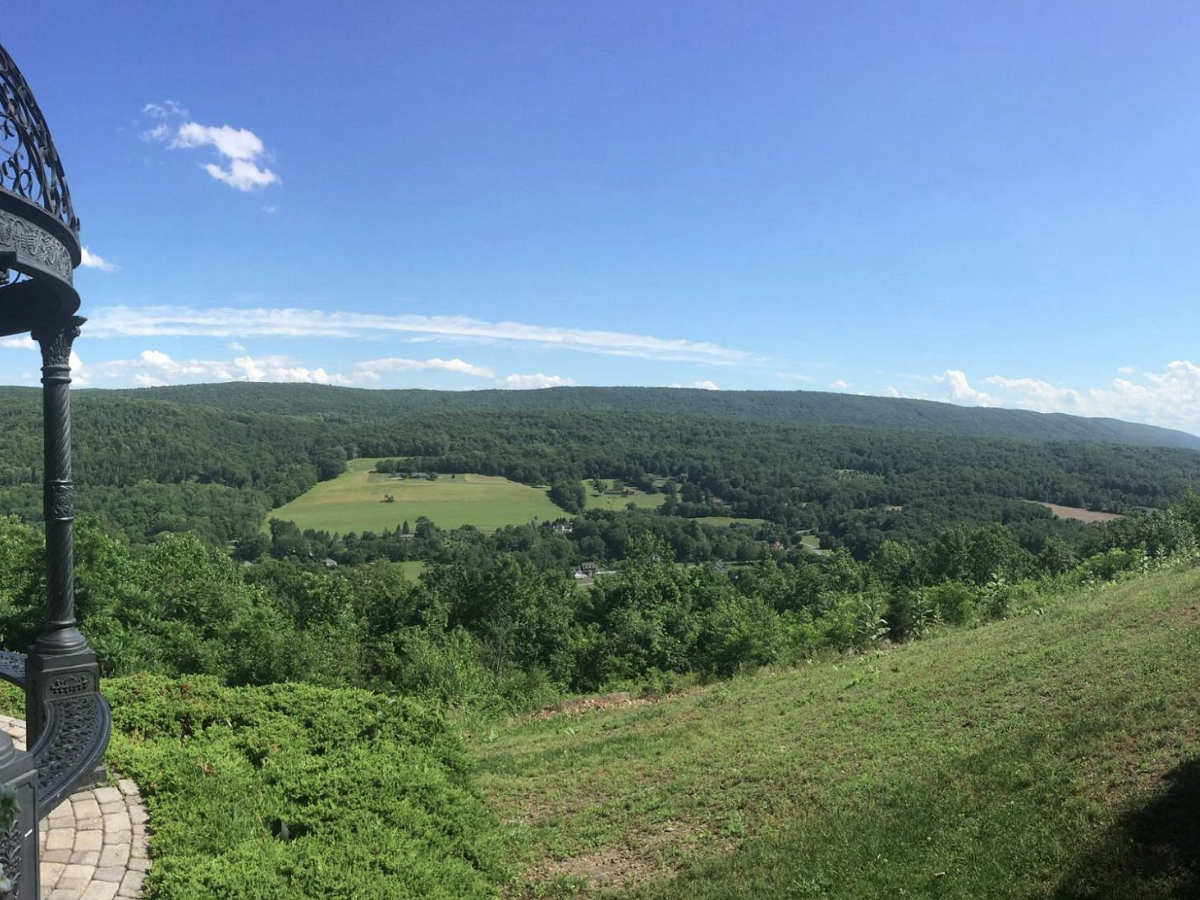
[(354, 501)]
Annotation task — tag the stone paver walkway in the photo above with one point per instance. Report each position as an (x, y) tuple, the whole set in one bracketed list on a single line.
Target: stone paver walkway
[(93, 844)]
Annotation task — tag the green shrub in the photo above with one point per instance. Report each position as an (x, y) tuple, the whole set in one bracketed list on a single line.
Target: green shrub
[(954, 602), (294, 790)]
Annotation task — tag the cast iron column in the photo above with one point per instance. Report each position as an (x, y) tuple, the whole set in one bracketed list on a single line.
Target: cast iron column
[(60, 651)]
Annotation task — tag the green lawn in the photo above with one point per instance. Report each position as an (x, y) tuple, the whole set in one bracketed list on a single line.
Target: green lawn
[(354, 502), (1055, 755)]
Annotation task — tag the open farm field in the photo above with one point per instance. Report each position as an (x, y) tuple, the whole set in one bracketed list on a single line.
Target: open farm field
[(354, 502), (1082, 515), (1052, 755), (726, 521), (641, 499)]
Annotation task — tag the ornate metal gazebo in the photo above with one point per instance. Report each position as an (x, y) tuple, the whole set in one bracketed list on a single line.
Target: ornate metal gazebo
[(67, 720)]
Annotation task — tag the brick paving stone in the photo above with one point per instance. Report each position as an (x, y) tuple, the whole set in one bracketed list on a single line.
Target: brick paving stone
[(101, 890), (86, 806), (114, 855), (89, 840), (94, 844), (60, 839), (108, 794), (110, 873), (131, 886)]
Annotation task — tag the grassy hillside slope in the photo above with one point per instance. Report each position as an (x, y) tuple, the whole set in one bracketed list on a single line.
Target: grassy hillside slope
[(808, 407), (1056, 754)]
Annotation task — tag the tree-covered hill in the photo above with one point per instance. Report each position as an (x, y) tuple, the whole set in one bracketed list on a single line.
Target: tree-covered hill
[(807, 407), (217, 459)]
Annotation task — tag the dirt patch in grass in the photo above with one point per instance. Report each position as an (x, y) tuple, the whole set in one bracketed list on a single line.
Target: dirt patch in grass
[(640, 859), (607, 867), (1080, 515)]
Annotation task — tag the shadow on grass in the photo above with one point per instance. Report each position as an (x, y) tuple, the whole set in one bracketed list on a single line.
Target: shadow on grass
[(1152, 852)]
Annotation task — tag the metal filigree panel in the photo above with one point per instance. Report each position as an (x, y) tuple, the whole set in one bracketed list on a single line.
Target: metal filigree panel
[(29, 164)]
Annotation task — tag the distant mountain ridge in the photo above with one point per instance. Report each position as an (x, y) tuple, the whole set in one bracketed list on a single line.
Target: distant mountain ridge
[(802, 407)]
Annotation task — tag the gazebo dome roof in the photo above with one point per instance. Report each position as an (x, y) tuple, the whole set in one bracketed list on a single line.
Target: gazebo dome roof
[(39, 232)]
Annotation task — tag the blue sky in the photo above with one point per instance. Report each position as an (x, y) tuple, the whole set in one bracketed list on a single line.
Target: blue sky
[(982, 203)]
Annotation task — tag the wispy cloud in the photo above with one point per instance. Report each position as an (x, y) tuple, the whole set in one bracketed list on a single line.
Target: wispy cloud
[(240, 150), (24, 342), (175, 321), (534, 382), (397, 364), (95, 261), (164, 110)]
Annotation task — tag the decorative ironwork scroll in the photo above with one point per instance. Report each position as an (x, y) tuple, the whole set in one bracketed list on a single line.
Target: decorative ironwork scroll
[(29, 164)]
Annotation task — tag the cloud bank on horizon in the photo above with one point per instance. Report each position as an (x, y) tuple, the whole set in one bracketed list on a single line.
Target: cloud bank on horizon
[(1168, 398)]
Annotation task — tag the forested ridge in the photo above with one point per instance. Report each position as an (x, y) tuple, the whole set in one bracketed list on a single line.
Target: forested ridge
[(204, 459), (811, 407)]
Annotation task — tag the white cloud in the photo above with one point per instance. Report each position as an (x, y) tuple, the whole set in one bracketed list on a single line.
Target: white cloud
[(174, 321), (235, 143), (159, 132), (1126, 370), (19, 343), (839, 385), (153, 367), (397, 364), (242, 175), (240, 149), (534, 382), (1170, 398), (236, 347), (890, 391), (78, 376), (697, 385), (959, 390), (95, 261), (164, 110)]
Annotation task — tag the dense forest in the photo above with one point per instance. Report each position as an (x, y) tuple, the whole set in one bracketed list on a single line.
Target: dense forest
[(201, 460)]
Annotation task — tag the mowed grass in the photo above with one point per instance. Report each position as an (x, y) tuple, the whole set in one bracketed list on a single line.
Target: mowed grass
[(1053, 755), (354, 502)]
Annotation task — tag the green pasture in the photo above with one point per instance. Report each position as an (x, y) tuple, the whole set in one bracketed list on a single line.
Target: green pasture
[(726, 521), (354, 501), (641, 499), (413, 568)]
